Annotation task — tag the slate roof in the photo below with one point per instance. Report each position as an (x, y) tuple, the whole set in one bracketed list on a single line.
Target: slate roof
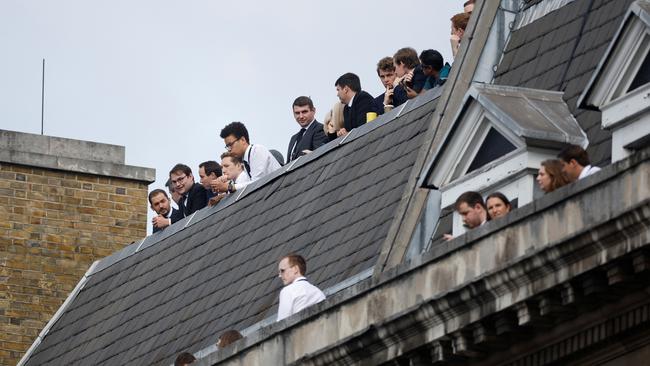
[(179, 289), (560, 51)]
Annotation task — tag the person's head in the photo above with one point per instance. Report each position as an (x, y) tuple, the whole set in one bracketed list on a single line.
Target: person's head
[(347, 85), (432, 62), (184, 359), (291, 267), (172, 191), (303, 111), (468, 6), (228, 337), (497, 205), (405, 60), (231, 165), (235, 136), (208, 171), (386, 71), (459, 24), (550, 176), (159, 202), (471, 208), (574, 159), (181, 178), (334, 119)]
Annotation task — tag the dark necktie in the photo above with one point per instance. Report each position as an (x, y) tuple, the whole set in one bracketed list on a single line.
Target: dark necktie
[(295, 152), (181, 204)]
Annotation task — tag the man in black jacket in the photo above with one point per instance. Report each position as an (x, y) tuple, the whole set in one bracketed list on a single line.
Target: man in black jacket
[(193, 195), (357, 102), (311, 135)]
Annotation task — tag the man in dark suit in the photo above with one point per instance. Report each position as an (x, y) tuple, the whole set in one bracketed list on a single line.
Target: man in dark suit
[(193, 195), (311, 135), (164, 212), (357, 102)]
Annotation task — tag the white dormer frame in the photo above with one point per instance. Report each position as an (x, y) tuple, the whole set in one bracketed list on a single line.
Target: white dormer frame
[(478, 123), (625, 113)]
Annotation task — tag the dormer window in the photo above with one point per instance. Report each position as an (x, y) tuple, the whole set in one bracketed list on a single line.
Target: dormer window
[(620, 87)]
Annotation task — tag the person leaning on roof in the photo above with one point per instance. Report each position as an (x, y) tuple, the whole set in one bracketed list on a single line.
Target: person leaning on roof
[(297, 293), (575, 163), (472, 210)]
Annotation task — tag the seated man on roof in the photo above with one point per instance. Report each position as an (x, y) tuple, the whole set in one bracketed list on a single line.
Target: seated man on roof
[(472, 210), (257, 159), (434, 68), (357, 102), (161, 204), (193, 195), (410, 76), (311, 135), (233, 176), (208, 171), (297, 293), (386, 73)]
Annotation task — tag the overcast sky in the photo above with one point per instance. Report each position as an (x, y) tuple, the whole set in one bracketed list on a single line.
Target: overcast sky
[(163, 77)]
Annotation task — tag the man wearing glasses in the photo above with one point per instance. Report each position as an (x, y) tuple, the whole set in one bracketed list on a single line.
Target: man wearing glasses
[(193, 196), (297, 293), (257, 159)]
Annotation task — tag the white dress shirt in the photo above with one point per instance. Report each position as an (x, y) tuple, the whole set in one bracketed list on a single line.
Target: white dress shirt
[(588, 170), (298, 295), (261, 162)]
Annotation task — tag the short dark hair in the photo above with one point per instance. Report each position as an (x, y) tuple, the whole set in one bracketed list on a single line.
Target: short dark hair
[(181, 168), (297, 260), (235, 159), (460, 20), (574, 152), (210, 167), (350, 80), (236, 129), (303, 101), (385, 64), (184, 358), (471, 198), (470, 2), (432, 58), (228, 337), (407, 56), (155, 192), (169, 185)]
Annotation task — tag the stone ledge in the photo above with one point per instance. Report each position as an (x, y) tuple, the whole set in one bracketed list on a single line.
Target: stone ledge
[(69, 155)]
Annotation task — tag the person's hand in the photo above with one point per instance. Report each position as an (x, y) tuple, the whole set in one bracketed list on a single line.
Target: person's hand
[(407, 78), (454, 39), (341, 132), (410, 93), (447, 237), (214, 200), (160, 222), (220, 184), (388, 96)]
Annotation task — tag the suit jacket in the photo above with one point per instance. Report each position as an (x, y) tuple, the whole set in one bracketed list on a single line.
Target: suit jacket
[(196, 200), (355, 115), (313, 138), (174, 216)]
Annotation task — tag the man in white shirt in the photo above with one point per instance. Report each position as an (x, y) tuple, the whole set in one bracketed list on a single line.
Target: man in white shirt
[(233, 175), (297, 293), (257, 159), (575, 163)]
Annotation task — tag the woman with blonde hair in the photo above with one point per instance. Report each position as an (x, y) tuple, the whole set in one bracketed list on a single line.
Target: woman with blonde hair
[(550, 177), (333, 121)]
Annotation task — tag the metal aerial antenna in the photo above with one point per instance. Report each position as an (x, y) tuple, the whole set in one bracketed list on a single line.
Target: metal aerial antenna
[(42, 95)]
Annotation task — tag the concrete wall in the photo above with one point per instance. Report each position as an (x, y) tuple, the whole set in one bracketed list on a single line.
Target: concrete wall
[(63, 204)]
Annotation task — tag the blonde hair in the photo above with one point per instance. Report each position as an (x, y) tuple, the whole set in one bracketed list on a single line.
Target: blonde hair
[(334, 119)]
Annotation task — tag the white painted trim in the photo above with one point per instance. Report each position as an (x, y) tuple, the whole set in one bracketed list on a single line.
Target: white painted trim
[(627, 134), (621, 110)]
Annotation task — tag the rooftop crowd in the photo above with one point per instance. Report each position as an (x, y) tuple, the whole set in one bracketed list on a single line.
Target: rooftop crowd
[(404, 76)]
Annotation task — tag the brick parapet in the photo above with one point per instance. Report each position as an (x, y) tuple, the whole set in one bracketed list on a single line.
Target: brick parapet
[(53, 225)]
